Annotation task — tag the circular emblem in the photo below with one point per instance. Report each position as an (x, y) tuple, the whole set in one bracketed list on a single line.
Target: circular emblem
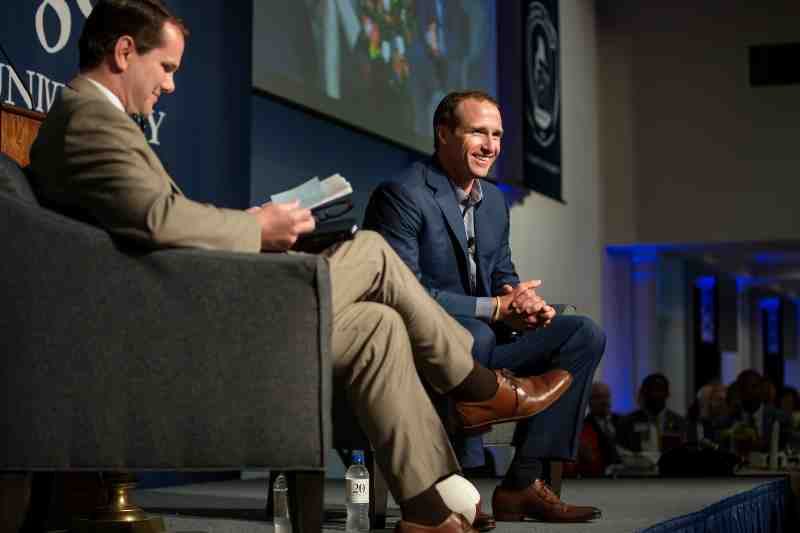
[(542, 74)]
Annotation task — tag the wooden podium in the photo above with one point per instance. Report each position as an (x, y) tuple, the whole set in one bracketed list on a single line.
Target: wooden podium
[(18, 129)]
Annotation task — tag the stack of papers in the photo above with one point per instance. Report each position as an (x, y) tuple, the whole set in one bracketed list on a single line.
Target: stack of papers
[(316, 193)]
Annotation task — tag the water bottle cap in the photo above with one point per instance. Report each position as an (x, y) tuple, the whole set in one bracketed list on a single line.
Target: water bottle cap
[(358, 457)]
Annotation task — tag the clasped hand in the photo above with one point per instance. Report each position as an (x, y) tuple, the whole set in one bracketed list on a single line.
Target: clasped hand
[(522, 308), (282, 224)]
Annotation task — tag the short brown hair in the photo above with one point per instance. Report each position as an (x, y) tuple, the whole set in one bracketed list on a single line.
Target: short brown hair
[(445, 114), (143, 20)]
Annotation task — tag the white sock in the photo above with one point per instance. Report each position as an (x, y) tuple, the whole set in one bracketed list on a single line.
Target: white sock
[(460, 496)]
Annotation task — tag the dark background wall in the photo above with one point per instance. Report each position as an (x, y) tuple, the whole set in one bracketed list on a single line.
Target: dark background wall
[(290, 145), (204, 137), (212, 103)]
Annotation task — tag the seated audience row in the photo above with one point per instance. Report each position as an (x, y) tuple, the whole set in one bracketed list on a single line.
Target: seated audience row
[(738, 418)]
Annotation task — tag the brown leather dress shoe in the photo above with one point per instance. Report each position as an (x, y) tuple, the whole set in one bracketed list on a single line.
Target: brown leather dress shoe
[(537, 502), (455, 523), (484, 522), (516, 398)]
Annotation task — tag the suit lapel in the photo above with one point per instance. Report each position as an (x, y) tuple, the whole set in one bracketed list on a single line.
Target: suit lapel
[(87, 88), (446, 199), (483, 241)]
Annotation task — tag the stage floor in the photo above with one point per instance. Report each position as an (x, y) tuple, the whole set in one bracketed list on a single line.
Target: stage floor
[(628, 505)]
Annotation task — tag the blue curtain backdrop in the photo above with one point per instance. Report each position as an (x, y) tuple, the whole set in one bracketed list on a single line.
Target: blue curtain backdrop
[(203, 135)]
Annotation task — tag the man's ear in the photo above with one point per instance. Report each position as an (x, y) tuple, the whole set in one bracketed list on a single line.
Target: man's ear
[(441, 133), (123, 49)]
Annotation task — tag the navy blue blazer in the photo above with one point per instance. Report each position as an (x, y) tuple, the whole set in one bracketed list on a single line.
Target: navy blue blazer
[(418, 214)]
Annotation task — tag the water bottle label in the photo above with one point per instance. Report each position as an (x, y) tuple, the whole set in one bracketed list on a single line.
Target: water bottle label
[(358, 489)]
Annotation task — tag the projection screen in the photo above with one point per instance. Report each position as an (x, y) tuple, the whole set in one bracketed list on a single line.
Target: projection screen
[(378, 65)]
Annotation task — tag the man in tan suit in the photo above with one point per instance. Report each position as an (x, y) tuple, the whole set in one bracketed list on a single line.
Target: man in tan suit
[(91, 159)]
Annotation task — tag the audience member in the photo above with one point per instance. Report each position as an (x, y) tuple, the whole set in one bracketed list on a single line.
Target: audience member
[(598, 446), (789, 402), (653, 427), (733, 398), (749, 426), (707, 423), (769, 392)]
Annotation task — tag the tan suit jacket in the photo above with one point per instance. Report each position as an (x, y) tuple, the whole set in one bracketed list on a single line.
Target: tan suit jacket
[(90, 157)]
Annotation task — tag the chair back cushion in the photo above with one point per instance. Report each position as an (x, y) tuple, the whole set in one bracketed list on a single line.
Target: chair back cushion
[(13, 180)]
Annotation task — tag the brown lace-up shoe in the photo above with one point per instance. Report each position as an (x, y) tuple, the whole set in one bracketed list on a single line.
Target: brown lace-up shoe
[(484, 522), (516, 398), (455, 523), (539, 503)]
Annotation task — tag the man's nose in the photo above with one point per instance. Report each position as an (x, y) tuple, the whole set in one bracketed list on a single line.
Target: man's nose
[(169, 84)]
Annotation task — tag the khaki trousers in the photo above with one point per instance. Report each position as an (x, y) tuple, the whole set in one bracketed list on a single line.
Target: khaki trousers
[(386, 328)]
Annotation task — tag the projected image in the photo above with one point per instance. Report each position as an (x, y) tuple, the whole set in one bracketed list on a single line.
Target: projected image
[(381, 65)]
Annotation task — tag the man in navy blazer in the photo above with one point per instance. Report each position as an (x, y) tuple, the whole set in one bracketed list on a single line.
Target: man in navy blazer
[(451, 227)]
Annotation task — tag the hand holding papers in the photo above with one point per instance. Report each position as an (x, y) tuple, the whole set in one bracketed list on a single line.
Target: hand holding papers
[(328, 200)]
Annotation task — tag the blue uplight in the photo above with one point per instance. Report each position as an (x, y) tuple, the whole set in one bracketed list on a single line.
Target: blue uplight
[(743, 282), (705, 283), (769, 304), (644, 254), (769, 258), (708, 308)]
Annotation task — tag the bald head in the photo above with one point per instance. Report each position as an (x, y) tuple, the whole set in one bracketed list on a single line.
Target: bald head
[(600, 400), (712, 400)]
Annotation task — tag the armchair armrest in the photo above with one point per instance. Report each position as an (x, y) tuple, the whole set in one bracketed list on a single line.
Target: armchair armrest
[(173, 359)]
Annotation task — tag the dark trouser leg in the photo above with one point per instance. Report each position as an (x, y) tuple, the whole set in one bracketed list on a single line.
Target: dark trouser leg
[(469, 449), (573, 343)]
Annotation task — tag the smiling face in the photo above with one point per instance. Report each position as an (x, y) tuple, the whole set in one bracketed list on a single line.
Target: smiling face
[(469, 149), (146, 76)]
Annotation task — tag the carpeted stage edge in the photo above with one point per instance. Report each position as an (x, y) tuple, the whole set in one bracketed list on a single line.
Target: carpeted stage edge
[(651, 505)]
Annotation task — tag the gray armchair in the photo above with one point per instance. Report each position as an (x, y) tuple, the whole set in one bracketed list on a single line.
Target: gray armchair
[(117, 359)]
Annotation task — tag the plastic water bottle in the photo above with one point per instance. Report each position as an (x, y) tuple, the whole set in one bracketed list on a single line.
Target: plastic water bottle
[(357, 495), (280, 500)]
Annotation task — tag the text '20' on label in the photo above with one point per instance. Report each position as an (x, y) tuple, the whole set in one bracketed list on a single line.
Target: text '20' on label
[(358, 490)]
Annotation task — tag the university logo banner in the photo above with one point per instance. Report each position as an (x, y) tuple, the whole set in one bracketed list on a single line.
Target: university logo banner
[(40, 39), (542, 97)]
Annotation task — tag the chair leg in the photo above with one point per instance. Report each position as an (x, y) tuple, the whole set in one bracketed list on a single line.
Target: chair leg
[(306, 495), (57, 497), (379, 493)]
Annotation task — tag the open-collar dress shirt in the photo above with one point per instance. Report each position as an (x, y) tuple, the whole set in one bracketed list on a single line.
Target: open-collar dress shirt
[(467, 202)]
